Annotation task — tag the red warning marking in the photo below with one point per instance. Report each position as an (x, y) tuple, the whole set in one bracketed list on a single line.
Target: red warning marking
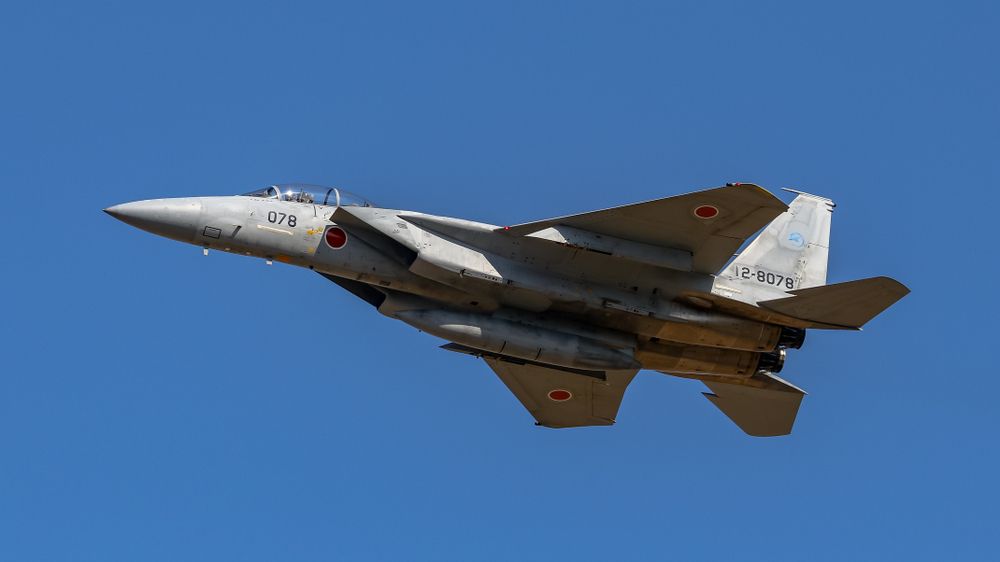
[(706, 211), (336, 238), (560, 395)]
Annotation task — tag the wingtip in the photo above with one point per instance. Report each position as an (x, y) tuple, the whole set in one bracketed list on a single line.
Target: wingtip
[(898, 285), (774, 201)]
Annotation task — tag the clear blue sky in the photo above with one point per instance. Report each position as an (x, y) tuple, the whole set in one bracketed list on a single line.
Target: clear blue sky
[(159, 405)]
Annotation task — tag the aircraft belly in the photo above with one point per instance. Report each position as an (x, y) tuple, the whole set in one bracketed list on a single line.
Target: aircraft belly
[(679, 323), (516, 339), (720, 330), (690, 359)]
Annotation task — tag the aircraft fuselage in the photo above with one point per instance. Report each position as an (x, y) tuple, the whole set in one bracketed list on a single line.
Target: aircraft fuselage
[(600, 295)]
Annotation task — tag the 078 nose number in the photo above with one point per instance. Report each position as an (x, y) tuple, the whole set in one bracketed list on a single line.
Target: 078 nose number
[(280, 218)]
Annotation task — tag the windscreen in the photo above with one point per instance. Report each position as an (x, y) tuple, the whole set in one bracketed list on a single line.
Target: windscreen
[(311, 194)]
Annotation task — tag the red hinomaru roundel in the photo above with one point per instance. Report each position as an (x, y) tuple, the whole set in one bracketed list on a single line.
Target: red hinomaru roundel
[(335, 237), (560, 395), (706, 211)]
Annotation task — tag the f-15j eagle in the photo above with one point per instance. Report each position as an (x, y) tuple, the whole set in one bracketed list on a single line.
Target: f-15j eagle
[(567, 310)]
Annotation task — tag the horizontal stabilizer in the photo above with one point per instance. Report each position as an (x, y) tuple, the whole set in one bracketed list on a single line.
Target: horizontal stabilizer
[(851, 304), (767, 408)]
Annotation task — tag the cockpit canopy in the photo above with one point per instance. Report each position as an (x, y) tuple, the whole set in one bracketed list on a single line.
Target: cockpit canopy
[(313, 194)]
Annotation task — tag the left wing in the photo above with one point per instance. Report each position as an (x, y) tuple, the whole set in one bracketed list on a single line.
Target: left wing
[(559, 397)]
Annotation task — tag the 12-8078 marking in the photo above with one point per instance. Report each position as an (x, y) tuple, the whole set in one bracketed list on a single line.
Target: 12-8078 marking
[(766, 277)]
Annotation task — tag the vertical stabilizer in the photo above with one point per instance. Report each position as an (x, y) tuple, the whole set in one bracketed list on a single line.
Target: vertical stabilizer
[(792, 252)]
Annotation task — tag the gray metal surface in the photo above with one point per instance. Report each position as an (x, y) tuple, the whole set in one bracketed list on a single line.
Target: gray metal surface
[(567, 310)]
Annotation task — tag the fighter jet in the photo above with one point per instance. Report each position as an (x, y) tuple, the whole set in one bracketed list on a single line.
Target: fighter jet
[(567, 310)]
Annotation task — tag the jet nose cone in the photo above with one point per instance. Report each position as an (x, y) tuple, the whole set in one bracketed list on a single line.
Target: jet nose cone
[(115, 210), (173, 218)]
